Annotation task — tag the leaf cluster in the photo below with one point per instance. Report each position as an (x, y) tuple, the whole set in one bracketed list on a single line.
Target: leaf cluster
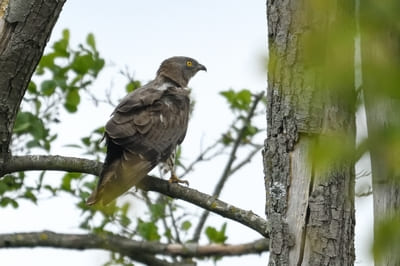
[(63, 75)]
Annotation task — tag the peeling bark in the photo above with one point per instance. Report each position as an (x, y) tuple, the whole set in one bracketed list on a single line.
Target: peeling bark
[(310, 100), (25, 27)]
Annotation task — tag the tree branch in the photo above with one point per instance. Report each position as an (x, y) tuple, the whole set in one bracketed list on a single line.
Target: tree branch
[(50, 162), (247, 218), (126, 246), (71, 164)]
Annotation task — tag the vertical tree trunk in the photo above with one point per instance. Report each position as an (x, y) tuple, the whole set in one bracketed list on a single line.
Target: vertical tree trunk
[(25, 27), (380, 47), (310, 199)]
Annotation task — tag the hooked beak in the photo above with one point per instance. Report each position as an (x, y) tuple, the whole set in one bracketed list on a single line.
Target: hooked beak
[(201, 67)]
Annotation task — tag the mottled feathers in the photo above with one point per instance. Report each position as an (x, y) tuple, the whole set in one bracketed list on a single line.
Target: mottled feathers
[(145, 128)]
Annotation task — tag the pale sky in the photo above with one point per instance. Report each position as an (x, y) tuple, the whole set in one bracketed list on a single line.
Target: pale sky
[(229, 38)]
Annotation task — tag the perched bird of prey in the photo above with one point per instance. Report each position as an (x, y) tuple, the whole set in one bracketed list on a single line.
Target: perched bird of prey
[(145, 129)]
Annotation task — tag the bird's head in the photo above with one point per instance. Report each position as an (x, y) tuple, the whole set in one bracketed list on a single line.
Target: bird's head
[(180, 69)]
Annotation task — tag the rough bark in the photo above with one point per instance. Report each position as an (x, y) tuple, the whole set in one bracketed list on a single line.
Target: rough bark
[(380, 49), (127, 246), (310, 100), (25, 27), (72, 164)]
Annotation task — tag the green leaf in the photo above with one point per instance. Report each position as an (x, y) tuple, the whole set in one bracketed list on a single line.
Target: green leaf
[(37, 129), (125, 221), (386, 239), (66, 181), (238, 100), (5, 201), (65, 34), (227, 138), (132, 85), (26, 123), (47, 61), (51, 189), (48, 87), (249, 131), (229, 95), (186, 225), (38, 104), (215, 236), (21, 123), (157, 211), (168, 234), (29, 195), (243, 98), (82, 63), (60, 48), (86, 141), (32, 88), (72, 100), (3, 188), (98, 65), (147, 230), (91, 41)]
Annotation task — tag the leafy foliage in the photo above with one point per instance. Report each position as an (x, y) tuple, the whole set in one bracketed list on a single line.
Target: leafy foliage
[(62, 77), (386, 242), (240, 100), (216, 236)]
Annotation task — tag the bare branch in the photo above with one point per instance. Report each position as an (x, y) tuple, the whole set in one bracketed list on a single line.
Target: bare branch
[(71, 164), (227, 171), (173, 222), (130, 248), (247, 218), (202, 157), (136, 250), (47, 162), (247, 159), (365, 193)]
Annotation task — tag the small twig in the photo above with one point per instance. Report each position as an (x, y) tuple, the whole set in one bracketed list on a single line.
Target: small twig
[(365, 194), (247, 159), (363, 173), (173, 221), (228, 167), (202, 157)]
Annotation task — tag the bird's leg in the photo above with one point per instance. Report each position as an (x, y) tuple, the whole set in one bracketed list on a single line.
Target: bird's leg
[(171, 167), (175, 179)]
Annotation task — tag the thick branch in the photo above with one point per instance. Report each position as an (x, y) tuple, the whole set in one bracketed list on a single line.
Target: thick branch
[(70, 164), (127, 246), (207, 202), (55, 162)]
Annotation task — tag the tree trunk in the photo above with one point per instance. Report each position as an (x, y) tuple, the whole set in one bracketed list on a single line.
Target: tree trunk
[(25, 27), (380, 48), (309, 170)]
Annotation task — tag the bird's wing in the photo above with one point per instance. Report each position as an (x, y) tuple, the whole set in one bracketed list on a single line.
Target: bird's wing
[(143, 130), (150, 122)]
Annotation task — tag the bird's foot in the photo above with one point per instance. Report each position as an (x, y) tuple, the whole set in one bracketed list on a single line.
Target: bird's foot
[(175, 179)]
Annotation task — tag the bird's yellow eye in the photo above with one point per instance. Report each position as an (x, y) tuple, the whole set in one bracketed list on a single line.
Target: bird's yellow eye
[(189, 63)]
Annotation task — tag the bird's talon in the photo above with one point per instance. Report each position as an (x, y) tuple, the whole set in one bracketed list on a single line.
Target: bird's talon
[(175, 179)]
